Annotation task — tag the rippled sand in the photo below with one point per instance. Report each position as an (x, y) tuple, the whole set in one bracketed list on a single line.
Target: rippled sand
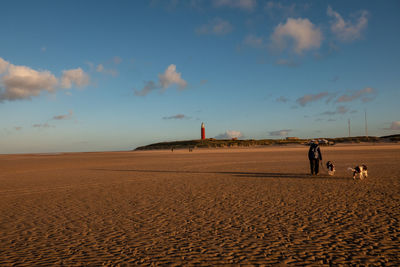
[(221, 206)]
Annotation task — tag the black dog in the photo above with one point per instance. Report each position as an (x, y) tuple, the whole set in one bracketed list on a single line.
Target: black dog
[(331, 168)]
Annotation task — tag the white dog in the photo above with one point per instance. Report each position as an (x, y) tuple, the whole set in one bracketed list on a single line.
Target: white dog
[(331, 168), (360, 170)]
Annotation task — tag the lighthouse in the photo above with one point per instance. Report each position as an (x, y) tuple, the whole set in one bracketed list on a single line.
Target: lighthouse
[(203, 131)]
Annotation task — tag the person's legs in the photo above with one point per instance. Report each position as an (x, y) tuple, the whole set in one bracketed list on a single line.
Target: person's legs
[(312, 166), (316, 166)]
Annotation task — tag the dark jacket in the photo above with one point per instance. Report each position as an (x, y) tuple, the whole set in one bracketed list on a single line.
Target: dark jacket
[(311, 154)]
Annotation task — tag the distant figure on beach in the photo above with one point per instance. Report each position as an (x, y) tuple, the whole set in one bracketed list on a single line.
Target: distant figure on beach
[(314, 155)]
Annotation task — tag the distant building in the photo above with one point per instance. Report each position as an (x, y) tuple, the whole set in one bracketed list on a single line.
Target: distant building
[(292, 138)]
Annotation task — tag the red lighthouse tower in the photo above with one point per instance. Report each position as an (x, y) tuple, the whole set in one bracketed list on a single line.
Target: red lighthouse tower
[(203, 131)]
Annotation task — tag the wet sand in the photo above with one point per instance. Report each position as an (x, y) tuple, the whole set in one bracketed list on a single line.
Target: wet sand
[(207, 207)]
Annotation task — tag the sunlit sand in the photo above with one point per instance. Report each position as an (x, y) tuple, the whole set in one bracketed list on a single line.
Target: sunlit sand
[(211, 206)]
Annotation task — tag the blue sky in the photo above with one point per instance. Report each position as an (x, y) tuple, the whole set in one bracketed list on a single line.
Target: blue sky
[(114, 75)]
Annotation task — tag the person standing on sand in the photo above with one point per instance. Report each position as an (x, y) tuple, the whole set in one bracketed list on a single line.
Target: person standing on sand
[(314, 155)]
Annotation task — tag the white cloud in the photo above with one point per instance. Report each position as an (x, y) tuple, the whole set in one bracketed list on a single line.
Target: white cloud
[(347, 31), (302, 32), (367, 94), (281, 133), (74, 77), (304, 100), (230, 134), (242, 4), (216, 26), (395, 126), (3, 65), (170, 77), (21, 82)]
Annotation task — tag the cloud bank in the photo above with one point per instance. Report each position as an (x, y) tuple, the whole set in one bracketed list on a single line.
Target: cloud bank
[(22, 82)]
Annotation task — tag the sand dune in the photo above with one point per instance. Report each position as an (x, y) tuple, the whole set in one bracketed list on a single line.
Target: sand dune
[(221, 206)]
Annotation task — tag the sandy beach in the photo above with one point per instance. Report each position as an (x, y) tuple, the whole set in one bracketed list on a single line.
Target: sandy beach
[(206, 207)]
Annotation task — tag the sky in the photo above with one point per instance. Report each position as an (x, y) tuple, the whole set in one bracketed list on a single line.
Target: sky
[(114, 75)]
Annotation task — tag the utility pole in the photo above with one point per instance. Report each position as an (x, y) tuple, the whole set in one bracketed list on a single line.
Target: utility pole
[(366, 126), (348, 121)]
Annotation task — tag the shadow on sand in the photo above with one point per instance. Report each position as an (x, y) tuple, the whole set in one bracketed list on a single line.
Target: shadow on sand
[(239, 174)]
